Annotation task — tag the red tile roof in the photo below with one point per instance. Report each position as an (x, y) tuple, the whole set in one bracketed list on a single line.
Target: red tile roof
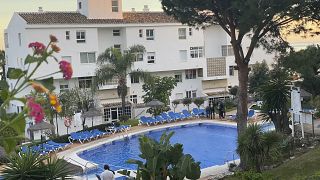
[(77, 18)]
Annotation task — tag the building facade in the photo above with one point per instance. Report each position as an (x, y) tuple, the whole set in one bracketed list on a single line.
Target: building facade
[(201, 60)]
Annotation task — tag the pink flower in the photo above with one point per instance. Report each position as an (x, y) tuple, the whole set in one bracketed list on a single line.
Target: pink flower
[(66, 69), (35, 110), (38, 48), (53, 39)]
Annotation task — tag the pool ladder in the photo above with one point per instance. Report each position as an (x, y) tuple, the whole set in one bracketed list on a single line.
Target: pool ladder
[(85, 166), (226, 161)]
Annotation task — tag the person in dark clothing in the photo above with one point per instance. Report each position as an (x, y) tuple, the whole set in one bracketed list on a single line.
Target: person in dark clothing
[(212, 111), (221, 110), (208, 111)]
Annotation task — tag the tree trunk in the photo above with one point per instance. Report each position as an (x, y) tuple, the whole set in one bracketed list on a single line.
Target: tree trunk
[(123, 103), (242, 109)]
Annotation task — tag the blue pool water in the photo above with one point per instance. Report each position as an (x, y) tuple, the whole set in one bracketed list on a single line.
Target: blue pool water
[(209, 144)]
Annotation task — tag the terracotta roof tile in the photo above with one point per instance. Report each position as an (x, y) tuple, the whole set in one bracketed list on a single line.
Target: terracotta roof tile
[(77, 18)]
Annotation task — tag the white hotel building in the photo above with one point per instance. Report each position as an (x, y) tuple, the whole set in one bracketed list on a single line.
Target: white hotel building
[(202, 61)]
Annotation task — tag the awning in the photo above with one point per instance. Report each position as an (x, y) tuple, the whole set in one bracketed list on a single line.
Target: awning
[(216, 92)]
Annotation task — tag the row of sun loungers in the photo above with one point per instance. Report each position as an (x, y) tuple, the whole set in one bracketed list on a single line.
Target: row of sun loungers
[(171, 117), (51, 146), (45, 148), (94, 134)]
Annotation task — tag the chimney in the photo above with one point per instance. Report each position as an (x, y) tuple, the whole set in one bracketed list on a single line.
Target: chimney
[(133, 10), (146, 8), (40, 9)]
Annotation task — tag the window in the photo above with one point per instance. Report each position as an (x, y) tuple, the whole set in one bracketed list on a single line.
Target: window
[(150, 34), (80, 5), (19, 39), (139, 57), (115, 6), (178, 77), (182, 33), (117, 47), (231, 70), (6, 40), (64, 87), (196, 52), (191, 94), (116, 32), (227, 50), (87, 57), (67, 35), (140, 33), (190, 31), (183, 55), (200, 72), (134, 79), (134, 99), (151, 57), (67, 58), (85, 82), (106, 114), (191, 74), (81, 36)]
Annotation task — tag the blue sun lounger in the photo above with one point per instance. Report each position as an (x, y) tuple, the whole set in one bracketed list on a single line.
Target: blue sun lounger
[(81, 137), (144, 121), (186, 113), (172, 115), (160, 119), (166, 117)]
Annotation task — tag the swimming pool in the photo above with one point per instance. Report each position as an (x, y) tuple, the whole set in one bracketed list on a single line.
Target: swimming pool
[(210, 144)]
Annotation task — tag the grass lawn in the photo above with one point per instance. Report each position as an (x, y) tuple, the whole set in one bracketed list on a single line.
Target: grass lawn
[(132, 122), (300, 168)]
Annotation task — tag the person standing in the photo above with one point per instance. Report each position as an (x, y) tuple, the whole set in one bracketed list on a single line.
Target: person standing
[(107, 174), (212, 110)]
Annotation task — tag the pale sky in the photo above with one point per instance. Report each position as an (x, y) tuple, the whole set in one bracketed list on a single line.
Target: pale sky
[(8, 7)]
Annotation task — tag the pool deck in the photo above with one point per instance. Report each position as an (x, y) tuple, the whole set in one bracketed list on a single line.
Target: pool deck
[(71, 156)]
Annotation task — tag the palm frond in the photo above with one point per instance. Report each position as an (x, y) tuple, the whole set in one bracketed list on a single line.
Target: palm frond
[(104, 74), (140, 74)]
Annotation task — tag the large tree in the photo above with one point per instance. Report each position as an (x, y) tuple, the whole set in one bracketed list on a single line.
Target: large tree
[(258, 76), (158, 88), (306, 63), (116, 65), (261, 20)]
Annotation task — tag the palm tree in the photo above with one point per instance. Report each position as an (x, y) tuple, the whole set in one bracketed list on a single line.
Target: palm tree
[(2, 64), (114, 65)]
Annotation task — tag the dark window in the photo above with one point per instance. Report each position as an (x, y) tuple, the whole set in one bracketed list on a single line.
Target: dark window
[(67, 35), (191, 74), (116, 32), (231, 70), (134, 79), (85, 82), (115, 6)]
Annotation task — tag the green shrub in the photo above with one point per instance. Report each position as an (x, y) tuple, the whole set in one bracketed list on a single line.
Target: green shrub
[(33, 166), (249, 175), (256, 146), (198, 101), (124, 118), (132, 122), (164, 161)]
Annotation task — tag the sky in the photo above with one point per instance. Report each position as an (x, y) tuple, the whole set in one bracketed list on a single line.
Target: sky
[(8, 7)]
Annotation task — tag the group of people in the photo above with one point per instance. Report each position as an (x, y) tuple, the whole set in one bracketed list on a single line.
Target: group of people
[(210, 110)]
